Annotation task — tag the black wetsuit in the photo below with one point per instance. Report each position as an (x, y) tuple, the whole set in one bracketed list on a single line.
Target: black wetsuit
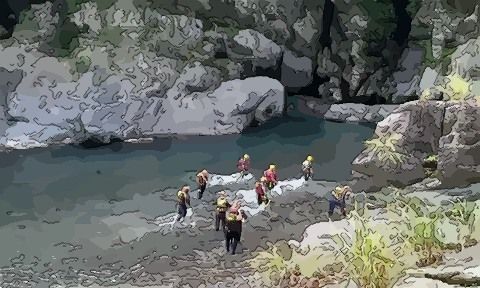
[(202, 186)]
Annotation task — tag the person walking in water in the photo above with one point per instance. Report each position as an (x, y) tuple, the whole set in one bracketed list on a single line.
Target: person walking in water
[(233, 229), (260, 190), (202, 180), (183, 199), (307, 168), (271, 176), (243, 165), (338, 197), (220, 213)]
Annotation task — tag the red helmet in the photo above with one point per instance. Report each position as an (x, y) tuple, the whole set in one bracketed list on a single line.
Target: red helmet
[(234, 210)]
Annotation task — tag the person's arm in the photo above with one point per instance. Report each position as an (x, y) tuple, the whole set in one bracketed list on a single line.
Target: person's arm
[(334, 195), (243, 215)]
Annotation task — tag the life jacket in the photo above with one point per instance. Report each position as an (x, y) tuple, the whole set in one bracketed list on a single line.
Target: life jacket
[(270, 175), (339, 193), (182, 197), (222, 204), (232, 217), (260, 191), (306, 165)]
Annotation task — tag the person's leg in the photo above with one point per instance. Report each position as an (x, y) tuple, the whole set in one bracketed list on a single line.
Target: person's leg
[(342, 206), (223, 219), (235, 239), (259, 199), (202, 189), (182, 212), (331, 207), (217, 221), (228, 238)]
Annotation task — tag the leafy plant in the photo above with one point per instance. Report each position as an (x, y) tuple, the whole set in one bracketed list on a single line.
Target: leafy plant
[(83, 64), (462, 210), (431, 158), (386, 149), (424, 238), (270, 262), (371, 259), (457, 88)]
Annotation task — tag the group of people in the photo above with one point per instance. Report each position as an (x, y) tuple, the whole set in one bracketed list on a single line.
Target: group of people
[(230, 217)]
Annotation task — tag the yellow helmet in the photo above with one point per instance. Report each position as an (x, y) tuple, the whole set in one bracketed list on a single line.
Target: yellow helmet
[(272, 167), (246, 156), (309, 158)]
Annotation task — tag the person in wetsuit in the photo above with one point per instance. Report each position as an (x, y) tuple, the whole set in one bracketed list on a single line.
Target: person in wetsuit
[(202, 180)]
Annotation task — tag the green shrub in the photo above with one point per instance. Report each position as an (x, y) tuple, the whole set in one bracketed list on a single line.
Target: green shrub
[(386, 149), (369, 266), (462, 211), (112, 35), (83, 64), (270, 263), (65, 39)]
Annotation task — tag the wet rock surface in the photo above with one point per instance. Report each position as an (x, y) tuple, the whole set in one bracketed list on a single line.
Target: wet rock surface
[(125, 245)]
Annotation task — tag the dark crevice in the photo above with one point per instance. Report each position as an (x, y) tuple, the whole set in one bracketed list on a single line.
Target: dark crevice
[(10, 14), (94, 142), (327, 19), (404, 22)]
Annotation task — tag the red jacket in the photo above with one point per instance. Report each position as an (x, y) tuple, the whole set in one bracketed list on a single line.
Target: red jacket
[(270, 175), (260, 191), (243, 165)]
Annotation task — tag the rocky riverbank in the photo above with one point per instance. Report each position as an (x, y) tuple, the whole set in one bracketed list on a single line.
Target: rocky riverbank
[(132, 242), (413, 237)]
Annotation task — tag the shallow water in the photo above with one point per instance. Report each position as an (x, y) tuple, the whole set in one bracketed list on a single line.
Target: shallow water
[(33, 181), (68, 203)]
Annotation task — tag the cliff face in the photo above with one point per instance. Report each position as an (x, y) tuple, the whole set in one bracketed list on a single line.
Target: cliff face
[(143, 59)]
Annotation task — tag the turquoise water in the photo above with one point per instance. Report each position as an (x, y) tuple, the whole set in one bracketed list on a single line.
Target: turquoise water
[(33, 181)]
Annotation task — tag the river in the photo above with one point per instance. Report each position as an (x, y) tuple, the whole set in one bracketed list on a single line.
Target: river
[(67, 194)]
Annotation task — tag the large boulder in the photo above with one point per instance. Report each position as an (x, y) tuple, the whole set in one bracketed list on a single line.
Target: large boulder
[(53, 108), (252, 45), (297, 72), (408, 76), (415, 130), (459, 151), (401, 141)]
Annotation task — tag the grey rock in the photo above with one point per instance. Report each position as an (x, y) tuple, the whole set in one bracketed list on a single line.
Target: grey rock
[(459, 151), (251, 44), (429, 78), (348, 112), (407, 78), (297, 72), (306, 30), (401, 142), (115, 110)]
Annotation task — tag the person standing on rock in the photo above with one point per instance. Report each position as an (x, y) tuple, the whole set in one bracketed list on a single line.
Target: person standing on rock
[(260, 190), (202, 180), (337, 199), (233, 228), (183, 199), (221, 211), (307, 168), (271, 176), (243, 166)]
